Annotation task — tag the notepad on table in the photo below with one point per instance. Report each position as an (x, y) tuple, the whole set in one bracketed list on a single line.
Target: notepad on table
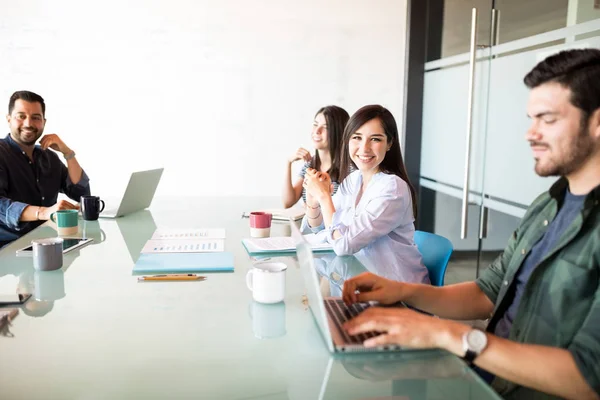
[(184, 262), (283, 214), (282, 245)]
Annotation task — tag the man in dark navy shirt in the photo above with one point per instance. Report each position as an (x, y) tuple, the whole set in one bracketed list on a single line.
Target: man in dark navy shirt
[(31, 176)]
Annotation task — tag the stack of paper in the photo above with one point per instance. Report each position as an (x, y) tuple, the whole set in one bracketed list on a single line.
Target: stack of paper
[(185, 250), (190, 234), (283, 245), (186, 241)]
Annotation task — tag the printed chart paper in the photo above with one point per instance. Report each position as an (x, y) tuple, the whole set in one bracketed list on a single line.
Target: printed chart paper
[(168, 233), (184, 246)]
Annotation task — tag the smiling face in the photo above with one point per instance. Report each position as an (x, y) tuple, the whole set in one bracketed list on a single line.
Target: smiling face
[(26, 122), (560, 139), (319, 133), (368, 146)]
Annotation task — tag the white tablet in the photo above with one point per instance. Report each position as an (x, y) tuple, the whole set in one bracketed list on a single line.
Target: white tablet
[(68, 245)]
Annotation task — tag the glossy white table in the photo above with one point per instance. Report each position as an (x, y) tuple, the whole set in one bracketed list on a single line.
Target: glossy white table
[(93, 332)]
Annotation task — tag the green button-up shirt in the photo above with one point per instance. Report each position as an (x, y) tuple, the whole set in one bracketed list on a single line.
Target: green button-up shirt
[(560, 306)]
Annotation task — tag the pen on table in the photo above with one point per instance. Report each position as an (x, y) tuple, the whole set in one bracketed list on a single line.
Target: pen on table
[(172, 277)]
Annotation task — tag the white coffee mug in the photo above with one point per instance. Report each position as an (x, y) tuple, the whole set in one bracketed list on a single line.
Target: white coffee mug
[(268, 320), (266, 280)]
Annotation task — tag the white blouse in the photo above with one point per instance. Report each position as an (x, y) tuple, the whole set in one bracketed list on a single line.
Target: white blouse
[(379, 230)]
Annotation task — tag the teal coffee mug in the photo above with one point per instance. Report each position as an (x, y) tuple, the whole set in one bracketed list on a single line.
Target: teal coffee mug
[(66, 221)]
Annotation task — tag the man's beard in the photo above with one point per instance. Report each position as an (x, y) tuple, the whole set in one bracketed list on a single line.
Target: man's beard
[(576, 155), (35, 133)]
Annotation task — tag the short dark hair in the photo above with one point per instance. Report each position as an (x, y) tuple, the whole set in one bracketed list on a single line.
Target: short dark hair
[(392, 162), (577, 70), (336, 119), (26, 96)]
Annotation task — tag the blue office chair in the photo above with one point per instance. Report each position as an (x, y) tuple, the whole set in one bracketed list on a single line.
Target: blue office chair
[(436, 251)]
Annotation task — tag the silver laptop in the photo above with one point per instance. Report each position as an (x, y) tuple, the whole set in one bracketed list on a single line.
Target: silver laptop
[(136, 231), (330, 313), (138, 194)]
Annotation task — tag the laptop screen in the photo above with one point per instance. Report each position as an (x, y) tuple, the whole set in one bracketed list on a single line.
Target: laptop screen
[(311, 282)]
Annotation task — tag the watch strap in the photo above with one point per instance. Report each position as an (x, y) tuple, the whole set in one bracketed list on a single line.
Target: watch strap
[(70, 155), (469, 356)]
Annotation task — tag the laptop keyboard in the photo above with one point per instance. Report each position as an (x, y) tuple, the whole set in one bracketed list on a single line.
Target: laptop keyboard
[(340, 313)]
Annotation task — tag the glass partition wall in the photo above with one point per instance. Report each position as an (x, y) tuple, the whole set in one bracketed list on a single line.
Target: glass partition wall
[(474, 155)]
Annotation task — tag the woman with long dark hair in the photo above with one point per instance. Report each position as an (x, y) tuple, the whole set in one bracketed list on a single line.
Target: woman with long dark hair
[(327, 131), (372, 214)]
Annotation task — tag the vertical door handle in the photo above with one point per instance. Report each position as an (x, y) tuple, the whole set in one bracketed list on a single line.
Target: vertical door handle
[(483, 222), (465, 200), (484, 211)]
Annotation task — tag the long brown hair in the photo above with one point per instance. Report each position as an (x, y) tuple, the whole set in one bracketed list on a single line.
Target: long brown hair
[(392, 162), (336, 119)]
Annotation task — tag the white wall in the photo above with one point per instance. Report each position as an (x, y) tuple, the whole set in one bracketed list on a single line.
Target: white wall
[(217, 92)]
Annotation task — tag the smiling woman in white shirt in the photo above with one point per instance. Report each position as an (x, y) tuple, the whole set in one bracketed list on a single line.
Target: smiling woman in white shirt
[(372, 214)]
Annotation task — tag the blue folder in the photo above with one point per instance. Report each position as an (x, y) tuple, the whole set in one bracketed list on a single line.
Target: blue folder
[(184, 262)]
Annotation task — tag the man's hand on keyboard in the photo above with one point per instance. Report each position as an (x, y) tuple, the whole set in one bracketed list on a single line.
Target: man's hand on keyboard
[(370, 287), (402, 327)]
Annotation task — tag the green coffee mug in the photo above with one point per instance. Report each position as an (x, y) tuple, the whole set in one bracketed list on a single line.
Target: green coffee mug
[(66, 221)]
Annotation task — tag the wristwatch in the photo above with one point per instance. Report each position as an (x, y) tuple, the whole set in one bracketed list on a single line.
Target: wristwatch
[(474, 342), (70, 155)]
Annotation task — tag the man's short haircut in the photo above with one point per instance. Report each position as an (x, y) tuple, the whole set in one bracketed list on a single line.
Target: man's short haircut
[(28, 96), (577, 70)]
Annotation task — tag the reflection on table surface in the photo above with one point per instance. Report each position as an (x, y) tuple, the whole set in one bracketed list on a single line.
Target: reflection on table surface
[(96, 332)]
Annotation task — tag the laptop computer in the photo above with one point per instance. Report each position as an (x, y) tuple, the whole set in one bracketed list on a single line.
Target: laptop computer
[(136, 231), (406, 375), (330, 313), (138, 194)]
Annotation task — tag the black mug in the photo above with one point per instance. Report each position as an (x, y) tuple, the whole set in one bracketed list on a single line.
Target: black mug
[(90, 207)]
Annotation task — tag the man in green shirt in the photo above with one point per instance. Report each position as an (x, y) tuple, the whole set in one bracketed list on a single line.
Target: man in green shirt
[(542, 293)]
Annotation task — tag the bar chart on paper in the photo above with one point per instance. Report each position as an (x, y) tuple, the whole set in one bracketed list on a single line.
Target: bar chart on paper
[(167, 240), (185, 250), (183, 246), (168, 233)]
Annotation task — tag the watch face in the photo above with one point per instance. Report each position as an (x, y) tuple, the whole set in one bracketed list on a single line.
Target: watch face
[(476, 340)]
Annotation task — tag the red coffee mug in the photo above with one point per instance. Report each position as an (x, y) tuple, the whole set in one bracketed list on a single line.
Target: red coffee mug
[(260, 224)]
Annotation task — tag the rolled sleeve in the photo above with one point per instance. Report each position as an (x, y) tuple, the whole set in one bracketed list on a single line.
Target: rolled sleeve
[(490, 281), (585, 347), (10, 210), (10, 213), (380, 216), (75, 190)]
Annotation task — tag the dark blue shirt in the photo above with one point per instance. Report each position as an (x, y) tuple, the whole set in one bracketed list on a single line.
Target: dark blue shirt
[(572, 205), (24, 182)]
